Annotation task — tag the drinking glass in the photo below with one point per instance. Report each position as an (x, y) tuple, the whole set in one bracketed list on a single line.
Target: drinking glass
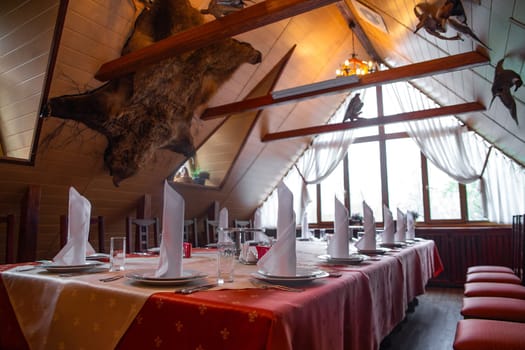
[(117, 254), (226, 254)]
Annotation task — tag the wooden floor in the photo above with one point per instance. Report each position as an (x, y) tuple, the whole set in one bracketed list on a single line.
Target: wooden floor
[(432, 325)]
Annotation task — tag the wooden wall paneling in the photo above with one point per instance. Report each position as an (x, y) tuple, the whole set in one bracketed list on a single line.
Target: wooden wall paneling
[(29, 219), (460, 248)]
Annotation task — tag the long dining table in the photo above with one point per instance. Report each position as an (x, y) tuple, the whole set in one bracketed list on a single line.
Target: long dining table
[(355, 307)]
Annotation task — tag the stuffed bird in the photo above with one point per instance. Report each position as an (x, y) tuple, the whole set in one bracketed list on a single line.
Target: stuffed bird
[(354, 109), (504, 80), (432, 25), (451, 8)]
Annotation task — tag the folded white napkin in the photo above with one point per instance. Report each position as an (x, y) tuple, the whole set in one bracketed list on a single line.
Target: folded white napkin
[(368, 241), (338, 245), (305, 231), (411, 226), (257, 223), (77, 246), (401, 226), (388, 229), (281, 259), (170, 259)]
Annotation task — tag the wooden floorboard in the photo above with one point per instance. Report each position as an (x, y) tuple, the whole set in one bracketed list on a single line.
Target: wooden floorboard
[(432, 325)]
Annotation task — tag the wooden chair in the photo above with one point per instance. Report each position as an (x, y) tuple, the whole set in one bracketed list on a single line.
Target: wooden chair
[(9, 220), (190, 232), (242, 223), (142, 233), (211, 230), (95, 220)]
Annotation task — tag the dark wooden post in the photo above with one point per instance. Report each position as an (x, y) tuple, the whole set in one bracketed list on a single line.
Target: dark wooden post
[(29, 220)]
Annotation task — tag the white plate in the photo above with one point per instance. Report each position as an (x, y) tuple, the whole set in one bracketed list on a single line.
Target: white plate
[(353, 259), (155, 250), (393, 245), (378, 251), (299, 275), (148, 277), (53, 267), (97, 256), (288, 280)]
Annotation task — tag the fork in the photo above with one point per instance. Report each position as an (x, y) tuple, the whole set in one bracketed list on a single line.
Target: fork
[(264, 285), (111, 278)]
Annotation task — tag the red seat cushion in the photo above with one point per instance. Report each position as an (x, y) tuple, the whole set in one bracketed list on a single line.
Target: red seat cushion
[(495, 308), (489, 335), (489, 268), (499, 277), (493, 289)]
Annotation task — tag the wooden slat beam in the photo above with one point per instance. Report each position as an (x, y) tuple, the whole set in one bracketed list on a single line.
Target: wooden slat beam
[(361, 123), (250, 18), (411, 71)]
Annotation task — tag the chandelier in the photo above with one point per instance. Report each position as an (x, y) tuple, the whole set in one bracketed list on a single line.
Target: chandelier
[(353, 65)]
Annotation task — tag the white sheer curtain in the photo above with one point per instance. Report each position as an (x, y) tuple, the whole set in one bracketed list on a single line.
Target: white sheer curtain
[(505, 187), (450, 147), (322, 157), (314, 165)]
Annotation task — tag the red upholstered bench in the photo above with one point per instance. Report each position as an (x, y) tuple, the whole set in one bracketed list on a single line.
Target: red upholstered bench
[(493, 289), (499, 277), (494, 308), (489, 335), (489, 268)]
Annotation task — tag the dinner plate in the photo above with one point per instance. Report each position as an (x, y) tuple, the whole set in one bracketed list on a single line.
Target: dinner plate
[(97, 256), (378, 251), (155, 250), (353, 259), (393, 245), (290, 280), (299, 274), (54, 267), (148, 277)]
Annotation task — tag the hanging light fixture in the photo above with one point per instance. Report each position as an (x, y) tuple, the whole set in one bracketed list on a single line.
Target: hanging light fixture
[(353, 65)]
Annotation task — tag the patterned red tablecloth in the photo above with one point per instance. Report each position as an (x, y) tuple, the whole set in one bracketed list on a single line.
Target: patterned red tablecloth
[(354, 311)]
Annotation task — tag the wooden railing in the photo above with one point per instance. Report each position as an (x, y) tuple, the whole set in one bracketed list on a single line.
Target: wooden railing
[(460, 248)]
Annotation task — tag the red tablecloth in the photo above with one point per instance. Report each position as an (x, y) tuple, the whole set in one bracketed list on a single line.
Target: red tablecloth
[(354, 311)]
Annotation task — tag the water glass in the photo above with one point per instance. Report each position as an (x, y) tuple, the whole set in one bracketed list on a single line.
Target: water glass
[(226, 255), (117, 254)]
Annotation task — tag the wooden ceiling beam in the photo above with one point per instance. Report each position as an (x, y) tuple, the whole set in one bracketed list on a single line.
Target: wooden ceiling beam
[(412, 71), (247, 19), (361, 123)]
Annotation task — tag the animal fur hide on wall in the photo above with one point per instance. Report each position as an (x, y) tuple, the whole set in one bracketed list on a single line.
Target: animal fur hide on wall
[(153, 107)]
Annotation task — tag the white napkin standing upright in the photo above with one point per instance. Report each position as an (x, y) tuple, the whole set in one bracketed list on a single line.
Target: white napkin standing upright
[(257, 223), (170, 259), (388, 230), (77, 246), (411, 226), (305, 231), (368, 241), (281, 259), (338, 245), (401, 226)]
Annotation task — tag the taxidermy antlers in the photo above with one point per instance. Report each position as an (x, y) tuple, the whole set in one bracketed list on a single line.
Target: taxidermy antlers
[(504, 80), (435, 20), (354, 109)]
